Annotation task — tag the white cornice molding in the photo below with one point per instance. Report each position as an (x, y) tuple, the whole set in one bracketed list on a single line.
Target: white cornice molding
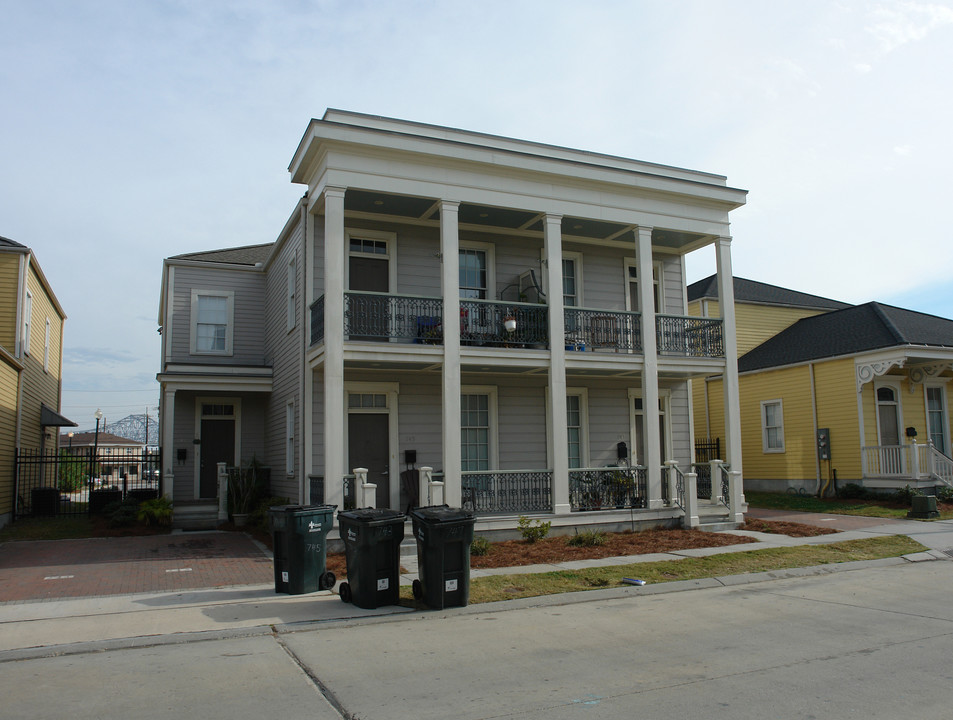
[(866, 372)]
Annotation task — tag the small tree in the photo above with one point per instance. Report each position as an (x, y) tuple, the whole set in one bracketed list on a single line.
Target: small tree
[(73, 472)]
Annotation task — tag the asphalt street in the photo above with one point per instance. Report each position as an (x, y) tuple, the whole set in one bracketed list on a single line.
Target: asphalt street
[(870, 642)]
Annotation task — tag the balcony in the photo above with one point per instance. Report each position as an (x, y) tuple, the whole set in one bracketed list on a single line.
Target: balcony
[(382, 317)]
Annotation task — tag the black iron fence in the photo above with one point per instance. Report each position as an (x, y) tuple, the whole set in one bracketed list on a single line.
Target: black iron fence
[(503, 491), (79, 481), (689, 336), (607, 488), (603, 330)]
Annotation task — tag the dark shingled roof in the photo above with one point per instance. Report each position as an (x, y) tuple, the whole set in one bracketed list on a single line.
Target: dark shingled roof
[(758, 292), (856, 329), (248, 255), (7, 242)]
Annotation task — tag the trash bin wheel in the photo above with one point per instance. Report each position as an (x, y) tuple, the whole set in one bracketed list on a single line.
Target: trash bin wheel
[(327, 580), (418, 589), (345, 592)]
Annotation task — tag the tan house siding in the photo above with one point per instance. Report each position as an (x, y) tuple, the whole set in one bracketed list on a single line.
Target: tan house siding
[(8, 432), (9, 281), (836, 391), (754, 323)]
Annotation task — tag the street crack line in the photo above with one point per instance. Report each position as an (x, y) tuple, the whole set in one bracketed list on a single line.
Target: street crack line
[(325, 691), (856, 606)]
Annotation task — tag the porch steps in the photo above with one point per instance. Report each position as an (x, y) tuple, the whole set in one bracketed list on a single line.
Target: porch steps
[(195, 515)]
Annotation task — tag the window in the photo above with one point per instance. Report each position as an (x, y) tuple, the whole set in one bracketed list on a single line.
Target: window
[(632, 274), (212, 313), (291, 294), (572, 279), (888, 416), (639, 452), (27, 320), (46, 347), (474, 276), (574, 426), (772, 426), (936, 418), (290, 438), (475, 432), (366, 400)]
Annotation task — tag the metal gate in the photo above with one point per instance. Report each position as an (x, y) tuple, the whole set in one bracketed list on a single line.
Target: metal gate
[(705, 451), (82, 481)]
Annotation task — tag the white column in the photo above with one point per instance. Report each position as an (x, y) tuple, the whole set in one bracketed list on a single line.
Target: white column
[(450, 254), (726, 297), (559, 441), (168, 450), (221, 473), (334, 410), (691, 501), (650, 392)]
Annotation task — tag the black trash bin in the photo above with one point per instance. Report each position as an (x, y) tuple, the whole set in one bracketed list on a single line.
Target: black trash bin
[(372, 538), (443, 538), (299, 534), (44, 501)]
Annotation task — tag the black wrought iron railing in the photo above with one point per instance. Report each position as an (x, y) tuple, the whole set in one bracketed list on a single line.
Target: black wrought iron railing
[(383, 317), (702, 472), (507, 491), (725, 487), (588, 329), (607, 488), (79, 481), (689, 336), (503, 324), (317, 321)]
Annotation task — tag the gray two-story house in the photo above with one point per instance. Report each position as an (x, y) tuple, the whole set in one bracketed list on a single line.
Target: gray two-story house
[(508, 317)]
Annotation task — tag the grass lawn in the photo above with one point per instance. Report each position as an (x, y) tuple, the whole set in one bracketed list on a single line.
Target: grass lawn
[(508, 587), (809, 503)]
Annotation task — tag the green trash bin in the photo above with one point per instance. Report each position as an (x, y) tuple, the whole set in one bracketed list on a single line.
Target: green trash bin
[(372, 538), (443, 538), (299, 534)]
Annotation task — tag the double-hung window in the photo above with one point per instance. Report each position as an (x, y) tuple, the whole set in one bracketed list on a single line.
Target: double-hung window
[(772, 426), (212, 313), (475, 432)]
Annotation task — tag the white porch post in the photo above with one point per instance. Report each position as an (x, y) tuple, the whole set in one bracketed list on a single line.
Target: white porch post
[(168, 451), (450, 254), (726, 297), (650, 393), (221, 474), (334, 410), (691, 501), (559, 441)]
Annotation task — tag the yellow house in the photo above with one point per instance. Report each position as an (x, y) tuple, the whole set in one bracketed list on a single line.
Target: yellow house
[(761, 312), (31, 364), (856, 395)]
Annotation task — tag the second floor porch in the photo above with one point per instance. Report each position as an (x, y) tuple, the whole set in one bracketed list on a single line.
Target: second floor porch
[(371, 317)]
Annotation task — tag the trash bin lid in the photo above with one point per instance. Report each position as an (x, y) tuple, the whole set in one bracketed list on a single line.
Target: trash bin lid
[(369, 515), (441, 514)]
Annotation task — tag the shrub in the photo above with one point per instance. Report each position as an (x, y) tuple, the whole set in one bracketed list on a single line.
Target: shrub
[(588, 538), (480, 546), (157, 511), (944, 493), (904, 496), (259, 515), (852, 491), (122, 514), (532, 532)]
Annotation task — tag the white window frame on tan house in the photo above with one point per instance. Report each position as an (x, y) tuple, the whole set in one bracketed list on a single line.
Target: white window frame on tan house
[(766, 445), (229, 296)]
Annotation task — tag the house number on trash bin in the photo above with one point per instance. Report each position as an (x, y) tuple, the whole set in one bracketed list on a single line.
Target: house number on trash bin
[(383, 584), (284, 576), (450, 585)]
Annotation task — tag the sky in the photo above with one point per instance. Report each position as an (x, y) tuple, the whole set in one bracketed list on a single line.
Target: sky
[(131, 131)]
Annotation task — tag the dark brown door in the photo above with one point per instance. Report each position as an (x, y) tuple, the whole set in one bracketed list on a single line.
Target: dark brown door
[(218, 445), (367, 442), (368, 315)]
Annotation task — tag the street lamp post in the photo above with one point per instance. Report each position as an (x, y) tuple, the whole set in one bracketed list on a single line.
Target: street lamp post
[(99, 416)]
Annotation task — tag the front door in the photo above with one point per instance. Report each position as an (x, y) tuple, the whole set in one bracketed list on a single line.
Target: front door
[(218, 445), (367, 442)]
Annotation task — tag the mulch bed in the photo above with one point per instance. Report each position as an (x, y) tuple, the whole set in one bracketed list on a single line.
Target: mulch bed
[(792, 529)]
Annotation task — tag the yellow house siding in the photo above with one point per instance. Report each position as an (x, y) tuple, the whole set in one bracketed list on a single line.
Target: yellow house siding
[(9, 273), (39, 385), (836, 390), (756, 323), (8, 426)]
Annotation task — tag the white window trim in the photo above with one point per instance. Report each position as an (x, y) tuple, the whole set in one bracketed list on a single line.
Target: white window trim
[(27, 321), (229, 296), (941, 384), (490, 250), (492, 405), (665, 403), (576, 257), (895, 386), (291, 294), (764, 427), (290, 438), (658, 268), (46, 348), (391, 255)]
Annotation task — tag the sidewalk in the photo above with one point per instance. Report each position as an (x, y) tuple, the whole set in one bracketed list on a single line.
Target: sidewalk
[(225, 584)]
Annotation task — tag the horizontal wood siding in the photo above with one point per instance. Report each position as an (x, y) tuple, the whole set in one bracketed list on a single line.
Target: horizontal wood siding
[(672, 285), (757, 323), (249, 313), (8, 434), (9, 281), (317, 423), (283, 353), (608, 421), (837, 409)]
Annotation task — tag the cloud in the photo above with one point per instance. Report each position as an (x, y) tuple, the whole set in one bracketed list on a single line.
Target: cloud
[(98, 356), (906, 22)]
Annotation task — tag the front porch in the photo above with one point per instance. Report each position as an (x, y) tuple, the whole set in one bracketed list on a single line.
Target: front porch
[(921, 466)]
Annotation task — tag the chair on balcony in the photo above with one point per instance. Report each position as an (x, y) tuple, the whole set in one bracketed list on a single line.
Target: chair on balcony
[(604, 332), (429, 330)]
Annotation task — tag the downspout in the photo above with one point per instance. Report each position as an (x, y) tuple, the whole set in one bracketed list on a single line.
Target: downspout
[(305, 331), (817, 461)]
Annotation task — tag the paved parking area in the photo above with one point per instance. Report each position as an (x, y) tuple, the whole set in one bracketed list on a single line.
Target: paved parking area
[(56, 569)]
